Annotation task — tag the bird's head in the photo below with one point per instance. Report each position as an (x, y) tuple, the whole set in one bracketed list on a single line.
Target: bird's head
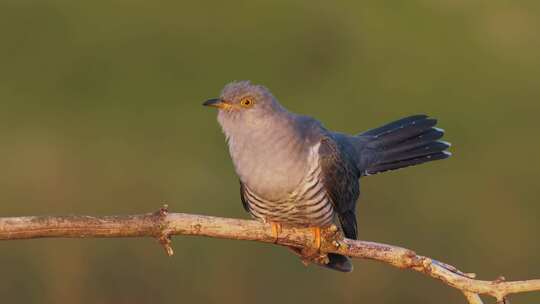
[(245, 107), (244, 98)]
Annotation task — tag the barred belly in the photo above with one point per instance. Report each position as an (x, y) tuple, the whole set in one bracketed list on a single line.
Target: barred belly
[(308, 205), (314, 212)]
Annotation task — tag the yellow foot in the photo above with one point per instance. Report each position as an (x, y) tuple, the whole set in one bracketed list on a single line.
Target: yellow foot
[(276, 230), (317, 236)]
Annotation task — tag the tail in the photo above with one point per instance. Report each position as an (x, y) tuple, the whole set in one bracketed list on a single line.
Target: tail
[(407, 142), (338, 262)]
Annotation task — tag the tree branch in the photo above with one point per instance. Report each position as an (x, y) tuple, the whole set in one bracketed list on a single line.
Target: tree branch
[(162, 225)]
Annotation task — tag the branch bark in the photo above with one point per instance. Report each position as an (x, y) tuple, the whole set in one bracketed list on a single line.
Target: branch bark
[(162, 225)]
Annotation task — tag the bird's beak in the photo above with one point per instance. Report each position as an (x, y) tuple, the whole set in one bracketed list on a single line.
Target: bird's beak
[(216, 103)]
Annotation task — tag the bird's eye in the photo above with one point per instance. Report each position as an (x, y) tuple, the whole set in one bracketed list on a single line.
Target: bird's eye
[(247, 102)]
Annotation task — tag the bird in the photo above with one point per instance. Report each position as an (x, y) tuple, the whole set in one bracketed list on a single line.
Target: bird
[(294, 171)]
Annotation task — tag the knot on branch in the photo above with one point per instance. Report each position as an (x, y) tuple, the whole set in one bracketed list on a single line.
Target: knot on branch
[(164, 234)]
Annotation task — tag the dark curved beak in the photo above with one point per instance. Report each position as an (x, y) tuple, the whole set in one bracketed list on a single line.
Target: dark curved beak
[(214, 102)]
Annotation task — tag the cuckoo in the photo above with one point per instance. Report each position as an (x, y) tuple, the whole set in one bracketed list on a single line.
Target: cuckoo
[(294, 171)]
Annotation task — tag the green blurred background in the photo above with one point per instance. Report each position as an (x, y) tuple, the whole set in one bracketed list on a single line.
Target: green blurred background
[(100, 113)]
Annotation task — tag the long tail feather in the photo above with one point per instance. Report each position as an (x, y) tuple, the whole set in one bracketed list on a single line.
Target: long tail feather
[(406, 142)]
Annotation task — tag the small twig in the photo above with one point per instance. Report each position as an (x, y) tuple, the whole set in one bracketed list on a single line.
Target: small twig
[(162, 224), (473, 298)]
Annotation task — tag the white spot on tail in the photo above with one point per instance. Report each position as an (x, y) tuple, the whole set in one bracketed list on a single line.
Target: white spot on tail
[(445, 142), (438, 129)]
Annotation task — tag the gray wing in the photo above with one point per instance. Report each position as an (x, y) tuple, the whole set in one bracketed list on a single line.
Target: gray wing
[(340, 177)]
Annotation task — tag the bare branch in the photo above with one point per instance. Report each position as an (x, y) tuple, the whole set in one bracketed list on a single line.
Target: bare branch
[(162, 224)]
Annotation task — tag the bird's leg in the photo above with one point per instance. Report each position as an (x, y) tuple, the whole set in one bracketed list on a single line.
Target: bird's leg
[(276, 230), (317, 236), (318, 256)]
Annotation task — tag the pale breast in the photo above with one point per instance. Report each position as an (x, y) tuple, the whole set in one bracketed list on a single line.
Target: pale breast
[(272, 164)]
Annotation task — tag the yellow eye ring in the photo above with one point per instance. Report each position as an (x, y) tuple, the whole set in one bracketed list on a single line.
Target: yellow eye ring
[(247, 102)]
